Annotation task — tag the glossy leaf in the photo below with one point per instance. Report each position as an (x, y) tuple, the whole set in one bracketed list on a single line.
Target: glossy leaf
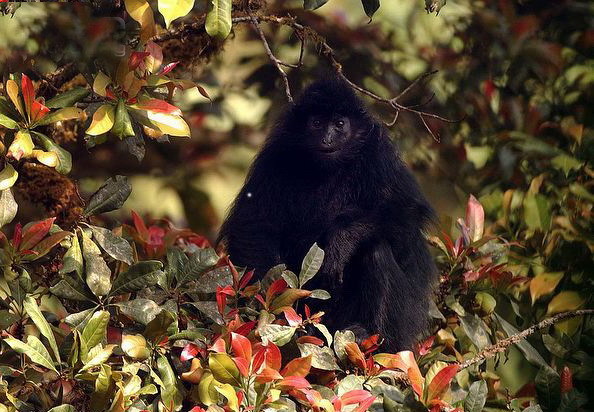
[(311, 264), (140, 10), (110, 196), (8, 122), (223, 368), (100, 84), (73, 259), (477, 397), (71, 288), (96, 329), (30, 306), (135, 346), (35, 351), (8, 176), (218, 19), (322, 357), (67, 113), (172, 9), (103, 120), (67, 98), (565, 301), (441, 382), (21, 146), (138, 276), (64, 157), (115, 246), (8, 207), (229, 393), (122, 126)]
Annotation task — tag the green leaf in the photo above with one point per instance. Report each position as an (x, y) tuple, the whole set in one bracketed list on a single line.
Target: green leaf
[(548, 388), (566, 163), (199, 262), (322, 356), (110, 196), (140, 309), (73, 259), (313, 4), (7, 122), (30, 306), (171, 394), (36, 353), (122, 126), (66, 113), (173, 9), (223, 368), (115, 246), (98, 275), (78, 320), (7, 319), (157, 328), (312, 262), (98, 357), (101, 395), (8, 207), (277, 334), (72, 288), (96, 329), (64, 157), (370, 7), (138, 276), (8, 176), (475, 329), (67, 98), (210, 309), (218, 19), (477, 397), (537, 212)]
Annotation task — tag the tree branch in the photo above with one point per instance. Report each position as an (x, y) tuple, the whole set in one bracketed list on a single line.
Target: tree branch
[(502, 345)]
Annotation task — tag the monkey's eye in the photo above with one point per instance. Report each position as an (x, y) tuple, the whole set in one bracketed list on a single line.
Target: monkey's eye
[(339, 123), (316, 123)]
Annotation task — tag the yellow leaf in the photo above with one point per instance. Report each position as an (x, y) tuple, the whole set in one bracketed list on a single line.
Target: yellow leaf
[(100, 84), (223, 368), (135, 346), (228, 392), (67, 113), (103, 120), (170, 124), (13, 92), (206, 390), (565, 301), (141, 11), (47, 158), (22, 145), (172, 9), (544, 284), (8, 176)]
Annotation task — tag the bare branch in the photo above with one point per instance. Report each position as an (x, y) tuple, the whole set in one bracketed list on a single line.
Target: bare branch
[(273, 58), (502, 345), (431, 132), (413, 84)]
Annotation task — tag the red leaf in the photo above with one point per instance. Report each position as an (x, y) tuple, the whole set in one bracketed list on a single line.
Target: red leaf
[(136, 58), (140, 226), (189, 352), (245, 279), (364, 405), (566, 380), (293, 382), (355, 355), (310, 339), (292, 317), (424, 347), (441, 382), (354, 396), (197, 409), (371, 343), (34, 233), (28, 93), (167, 68), (241, 346), (243, 365), (268, 375), (297, 367), (38, 111), (273, 356), (475, 218), (246, 328), (219, 346), (17, 236), (159, 106), (278, 286)]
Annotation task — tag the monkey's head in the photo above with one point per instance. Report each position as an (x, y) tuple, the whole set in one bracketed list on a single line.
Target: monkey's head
[(328, 122)]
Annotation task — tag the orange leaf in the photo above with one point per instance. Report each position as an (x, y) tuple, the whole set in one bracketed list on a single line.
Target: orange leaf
[(38, 111), (34, 233), (298, 367), (543, 284), (159, 106), (441, 382), (268, 375), (242, 347), (355, 355), (354, 396), (28, 94), (292, 317), (293, 382), (13, 92), (475, 219), (243, 366)]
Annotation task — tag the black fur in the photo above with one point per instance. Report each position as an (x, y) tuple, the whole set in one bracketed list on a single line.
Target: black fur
[(361, 205)]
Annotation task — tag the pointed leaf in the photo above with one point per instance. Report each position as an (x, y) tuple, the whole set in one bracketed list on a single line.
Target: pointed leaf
[(115, 246), (166, 123), (311, 264), (30, 306), (138, 276), (477, 397), (122, 126), (370, 6), (110, 196), (218, 20), (223, 368), (7, 122), (103, 120), (71, 288), (42, 248), (67, 113), (172, 9), (543, 284), (21, 146), (28, 94), (12, 89), (39, 355), (99, 357), (565, 301), (96, 329), (8, 176), (441, 382), (73, 259), (100, 84), (8, 207), (67, 98), (140, 10)]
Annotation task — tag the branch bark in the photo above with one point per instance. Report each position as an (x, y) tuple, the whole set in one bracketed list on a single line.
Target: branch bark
[(502, 345)]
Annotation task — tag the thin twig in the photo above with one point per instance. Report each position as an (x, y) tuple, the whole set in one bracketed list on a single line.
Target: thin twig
[(431, 132), (413, 84), (502, 345), (273, 58)]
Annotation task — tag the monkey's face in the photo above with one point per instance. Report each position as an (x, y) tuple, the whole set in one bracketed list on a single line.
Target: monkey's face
[(328, 134)]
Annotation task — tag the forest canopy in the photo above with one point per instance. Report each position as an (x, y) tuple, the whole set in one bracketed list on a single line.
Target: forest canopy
[(128, 126)]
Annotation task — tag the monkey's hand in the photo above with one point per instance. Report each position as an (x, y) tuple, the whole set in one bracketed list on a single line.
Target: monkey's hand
[(332, 269)]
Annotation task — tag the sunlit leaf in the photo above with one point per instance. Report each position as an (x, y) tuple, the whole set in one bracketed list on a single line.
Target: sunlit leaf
[(37, 353), (312, 262), (99, 357), (223, 368), (122, 126), (475, 218), (64, 157), (100, 84), (566, 300), (218, 19), (8, 206), (322, 357), (135, 346), (103, 120), (71, 288), (166, 123), (21, 146), (8, 176), (537, 211), (229, 393), (278, 334), (441, 382), (543, 284), (172, 9), (28, 94), (8, 122), (30, 306), (12, 89), (67, 113), (140, 10), (170, 393), (140, 309), (96, 329), (43, 247)]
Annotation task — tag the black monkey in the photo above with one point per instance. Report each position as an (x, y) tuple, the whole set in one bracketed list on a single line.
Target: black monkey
[(328, 173)]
